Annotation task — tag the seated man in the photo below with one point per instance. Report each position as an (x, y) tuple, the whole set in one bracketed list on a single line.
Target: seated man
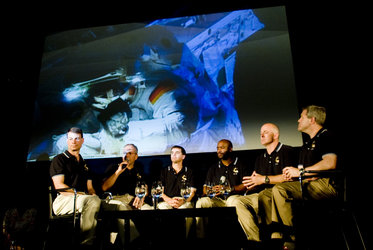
[(317, 153), (175, 178), (120, 180), (68, 169), (229, 171), (267, 172)]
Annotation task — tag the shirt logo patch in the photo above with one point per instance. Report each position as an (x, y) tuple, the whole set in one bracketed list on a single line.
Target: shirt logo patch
[(235, 171), (184, 178), (277, 160)]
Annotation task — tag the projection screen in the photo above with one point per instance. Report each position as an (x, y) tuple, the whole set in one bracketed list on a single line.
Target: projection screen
[(189, 81)]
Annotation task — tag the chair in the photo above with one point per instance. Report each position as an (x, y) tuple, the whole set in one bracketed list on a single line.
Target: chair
[(335, 211), (60, 225)]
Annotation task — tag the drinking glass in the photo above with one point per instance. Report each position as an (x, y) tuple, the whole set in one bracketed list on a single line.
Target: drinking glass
[(227, 189), (157, 191), (185, 191), (140, 190), (210, 191)]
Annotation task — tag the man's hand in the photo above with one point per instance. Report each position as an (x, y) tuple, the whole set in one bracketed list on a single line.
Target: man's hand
[(137, 202), (218, 190), (121, 167), (252, 181), (290, 173), (175, 202)]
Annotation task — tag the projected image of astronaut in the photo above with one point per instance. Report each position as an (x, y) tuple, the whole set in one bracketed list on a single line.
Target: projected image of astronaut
[(154, 114), (179, 86)]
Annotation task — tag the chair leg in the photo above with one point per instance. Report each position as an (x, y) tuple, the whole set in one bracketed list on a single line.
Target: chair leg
[(353, 235)]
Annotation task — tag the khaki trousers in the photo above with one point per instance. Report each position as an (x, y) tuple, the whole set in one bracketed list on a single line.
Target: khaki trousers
[(283, 193), (87, 205), (247, 210), (265, 206)]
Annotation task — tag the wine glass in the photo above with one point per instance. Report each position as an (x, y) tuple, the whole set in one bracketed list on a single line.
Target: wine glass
[(185, 190), (140, 190), (210, 190), (227, 189), (157, 191)]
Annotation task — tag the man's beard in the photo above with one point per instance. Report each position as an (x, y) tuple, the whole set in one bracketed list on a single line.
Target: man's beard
[(227, 155)]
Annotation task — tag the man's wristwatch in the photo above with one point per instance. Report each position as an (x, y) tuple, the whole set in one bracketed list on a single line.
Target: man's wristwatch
[(266, 180)]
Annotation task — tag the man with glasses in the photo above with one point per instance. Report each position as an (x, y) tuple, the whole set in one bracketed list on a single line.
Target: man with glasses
[(69, 169), (121, 180)]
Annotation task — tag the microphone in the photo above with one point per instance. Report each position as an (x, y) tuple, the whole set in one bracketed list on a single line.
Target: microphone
[(125, 156)]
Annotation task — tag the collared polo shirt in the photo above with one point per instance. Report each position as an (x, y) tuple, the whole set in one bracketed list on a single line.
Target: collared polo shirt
[(172, 181), (76, 172), (315, 148), (272, 164), (234, 173), (126, 181)]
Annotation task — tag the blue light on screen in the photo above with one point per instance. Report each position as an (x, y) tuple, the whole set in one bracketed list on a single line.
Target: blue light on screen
[(171, 81)]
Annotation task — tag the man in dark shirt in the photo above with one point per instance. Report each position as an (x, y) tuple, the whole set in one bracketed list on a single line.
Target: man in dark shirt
[(267, 172), (229, 171), (317, 153), (174, 178), (68, 169), (121, 180)]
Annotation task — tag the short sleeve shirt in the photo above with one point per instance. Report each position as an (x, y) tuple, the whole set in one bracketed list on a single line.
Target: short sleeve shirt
[(126, 182), (76, 172), (272, 164), (315, 148), (234, 173), (172, 181)]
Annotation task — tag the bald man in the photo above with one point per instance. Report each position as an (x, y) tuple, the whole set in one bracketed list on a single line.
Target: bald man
[(267, 172)]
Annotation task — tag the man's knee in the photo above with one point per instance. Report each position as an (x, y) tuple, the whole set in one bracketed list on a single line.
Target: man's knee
[(278, 190), (203, 202), (234, 201)]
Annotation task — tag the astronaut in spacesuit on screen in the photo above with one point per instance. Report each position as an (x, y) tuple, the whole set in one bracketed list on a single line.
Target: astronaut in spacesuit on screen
[(179, 89)]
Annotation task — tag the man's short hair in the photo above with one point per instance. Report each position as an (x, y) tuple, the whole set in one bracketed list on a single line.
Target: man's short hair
[(318, 112), (76, 130), (230, 145), (179, 147), (134, 146)]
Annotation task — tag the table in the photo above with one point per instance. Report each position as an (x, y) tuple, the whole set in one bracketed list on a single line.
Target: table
[(228, 213)]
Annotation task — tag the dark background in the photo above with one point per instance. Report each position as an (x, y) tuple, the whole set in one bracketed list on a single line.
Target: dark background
[(329, 63)]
